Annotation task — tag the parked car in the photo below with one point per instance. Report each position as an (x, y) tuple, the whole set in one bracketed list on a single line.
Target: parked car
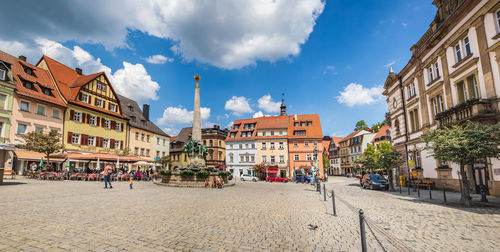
[(303, 178), (375, 181), (276, 179), (246, 177)]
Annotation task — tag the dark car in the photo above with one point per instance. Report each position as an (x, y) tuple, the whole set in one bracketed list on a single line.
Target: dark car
[(302, 178), (375, 181)]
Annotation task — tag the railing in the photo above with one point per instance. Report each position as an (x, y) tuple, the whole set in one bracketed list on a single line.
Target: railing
[(469, 110)]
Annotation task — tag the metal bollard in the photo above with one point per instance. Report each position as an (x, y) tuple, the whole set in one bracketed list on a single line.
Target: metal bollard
[(362, 230), (418, 190), (430, 192), (318, 187), (444, 194), (333, 202), (408, 186), (324, 192)]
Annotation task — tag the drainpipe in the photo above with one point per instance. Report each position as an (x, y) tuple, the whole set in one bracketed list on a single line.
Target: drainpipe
[(406, 128)]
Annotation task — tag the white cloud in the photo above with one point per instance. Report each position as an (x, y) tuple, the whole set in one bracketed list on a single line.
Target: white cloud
[(355, 94), (225, 33), (230, 125), (404, 24), (180, 115), (391, 63), (330, 69), (132, 81), (159, 59), (267, 104), (238, 105), (171, 131), (258, 114)]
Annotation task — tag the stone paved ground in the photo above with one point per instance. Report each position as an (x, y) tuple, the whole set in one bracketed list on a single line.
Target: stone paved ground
[(81, 216)]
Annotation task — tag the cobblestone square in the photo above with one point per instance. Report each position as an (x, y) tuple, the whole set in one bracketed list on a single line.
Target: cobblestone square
[(250, 216)]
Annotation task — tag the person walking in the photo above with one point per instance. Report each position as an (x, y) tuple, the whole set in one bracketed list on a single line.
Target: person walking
[(107, 173), (131, 182)]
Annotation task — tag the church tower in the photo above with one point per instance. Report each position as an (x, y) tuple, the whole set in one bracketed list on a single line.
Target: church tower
[(283, 106)]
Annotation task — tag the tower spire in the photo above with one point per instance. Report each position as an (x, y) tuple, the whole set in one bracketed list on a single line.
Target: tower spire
[(283, 106)]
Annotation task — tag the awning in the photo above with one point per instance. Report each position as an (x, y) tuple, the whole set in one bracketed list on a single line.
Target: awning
[(34, 156)]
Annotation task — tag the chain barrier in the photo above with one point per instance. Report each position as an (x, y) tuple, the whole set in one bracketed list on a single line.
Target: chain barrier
[(395, 242), (376, 238)]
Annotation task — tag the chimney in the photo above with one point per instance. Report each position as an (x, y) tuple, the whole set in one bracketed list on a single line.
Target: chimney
[(78, 71), (216, 127), (295, 118), (145, 111), (23, 58)]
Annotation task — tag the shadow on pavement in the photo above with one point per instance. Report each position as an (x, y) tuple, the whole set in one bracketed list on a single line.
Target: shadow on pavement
[(8, 183)]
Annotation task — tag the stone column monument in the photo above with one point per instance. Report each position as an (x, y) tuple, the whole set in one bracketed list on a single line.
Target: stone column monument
[(195, 148), (196, 134)]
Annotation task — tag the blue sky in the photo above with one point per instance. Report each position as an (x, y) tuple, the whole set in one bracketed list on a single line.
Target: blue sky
[(328, 58)]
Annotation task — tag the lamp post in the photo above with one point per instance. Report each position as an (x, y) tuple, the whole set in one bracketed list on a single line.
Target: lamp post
[(316, 160)]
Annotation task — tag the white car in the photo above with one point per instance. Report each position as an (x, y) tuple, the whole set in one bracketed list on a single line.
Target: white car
[(246, 177)]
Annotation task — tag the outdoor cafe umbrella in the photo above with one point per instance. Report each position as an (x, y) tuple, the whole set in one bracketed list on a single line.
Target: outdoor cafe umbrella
[(41, 163), (118, 163), (98, 167)]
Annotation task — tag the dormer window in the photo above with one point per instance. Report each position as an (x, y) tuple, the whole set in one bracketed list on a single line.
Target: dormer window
[(144, 122), (112, 107), (47, 91), (29, 85), (132, 118), (28, 70), (2, 74), (131, 109)]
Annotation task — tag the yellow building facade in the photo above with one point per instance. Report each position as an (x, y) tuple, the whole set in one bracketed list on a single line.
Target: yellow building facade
[(141, 143), (93, 120)]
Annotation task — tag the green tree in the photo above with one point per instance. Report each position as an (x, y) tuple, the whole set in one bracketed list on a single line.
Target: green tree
[(326, 164), (376, 127), (389, 158), (464, 145), (46, 143), (361, 125), (260, 169)]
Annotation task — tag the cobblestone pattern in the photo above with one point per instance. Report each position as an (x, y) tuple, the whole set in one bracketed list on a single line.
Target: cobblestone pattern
[(420, 225), (81, 216)]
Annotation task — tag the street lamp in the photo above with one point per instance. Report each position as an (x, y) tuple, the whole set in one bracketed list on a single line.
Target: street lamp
[(315, 151)]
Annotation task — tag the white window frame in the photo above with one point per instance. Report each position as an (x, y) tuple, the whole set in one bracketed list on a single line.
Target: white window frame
[(118, 126), (117, 144), (24, 101), (86, 99), (25, 129), (263, 133), (93, 120), (306, 143), (263, 145), (79, 116), (271, 146), (264, 159), (295, 143), (458, 52), (91, 140), (107, 124), (436, 68), (39, 127), (272, 159), (112, 107), (105, 143), (296, 157), (99, 103), (281, 145), (309, 157), (315, 143), (411, 90), (58, 115), (282, 159), (44, 109), (272, 133), (77, 137), (3, 73), (467, 48), (157, 141)]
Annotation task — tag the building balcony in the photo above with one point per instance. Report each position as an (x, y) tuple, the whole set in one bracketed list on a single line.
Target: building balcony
[(473, 110)]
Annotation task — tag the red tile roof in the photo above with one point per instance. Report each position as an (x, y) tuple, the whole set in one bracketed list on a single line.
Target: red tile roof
[(381, 132), (41, 78), (313, 131), (69, 83), (337, 140), (350, 135)]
